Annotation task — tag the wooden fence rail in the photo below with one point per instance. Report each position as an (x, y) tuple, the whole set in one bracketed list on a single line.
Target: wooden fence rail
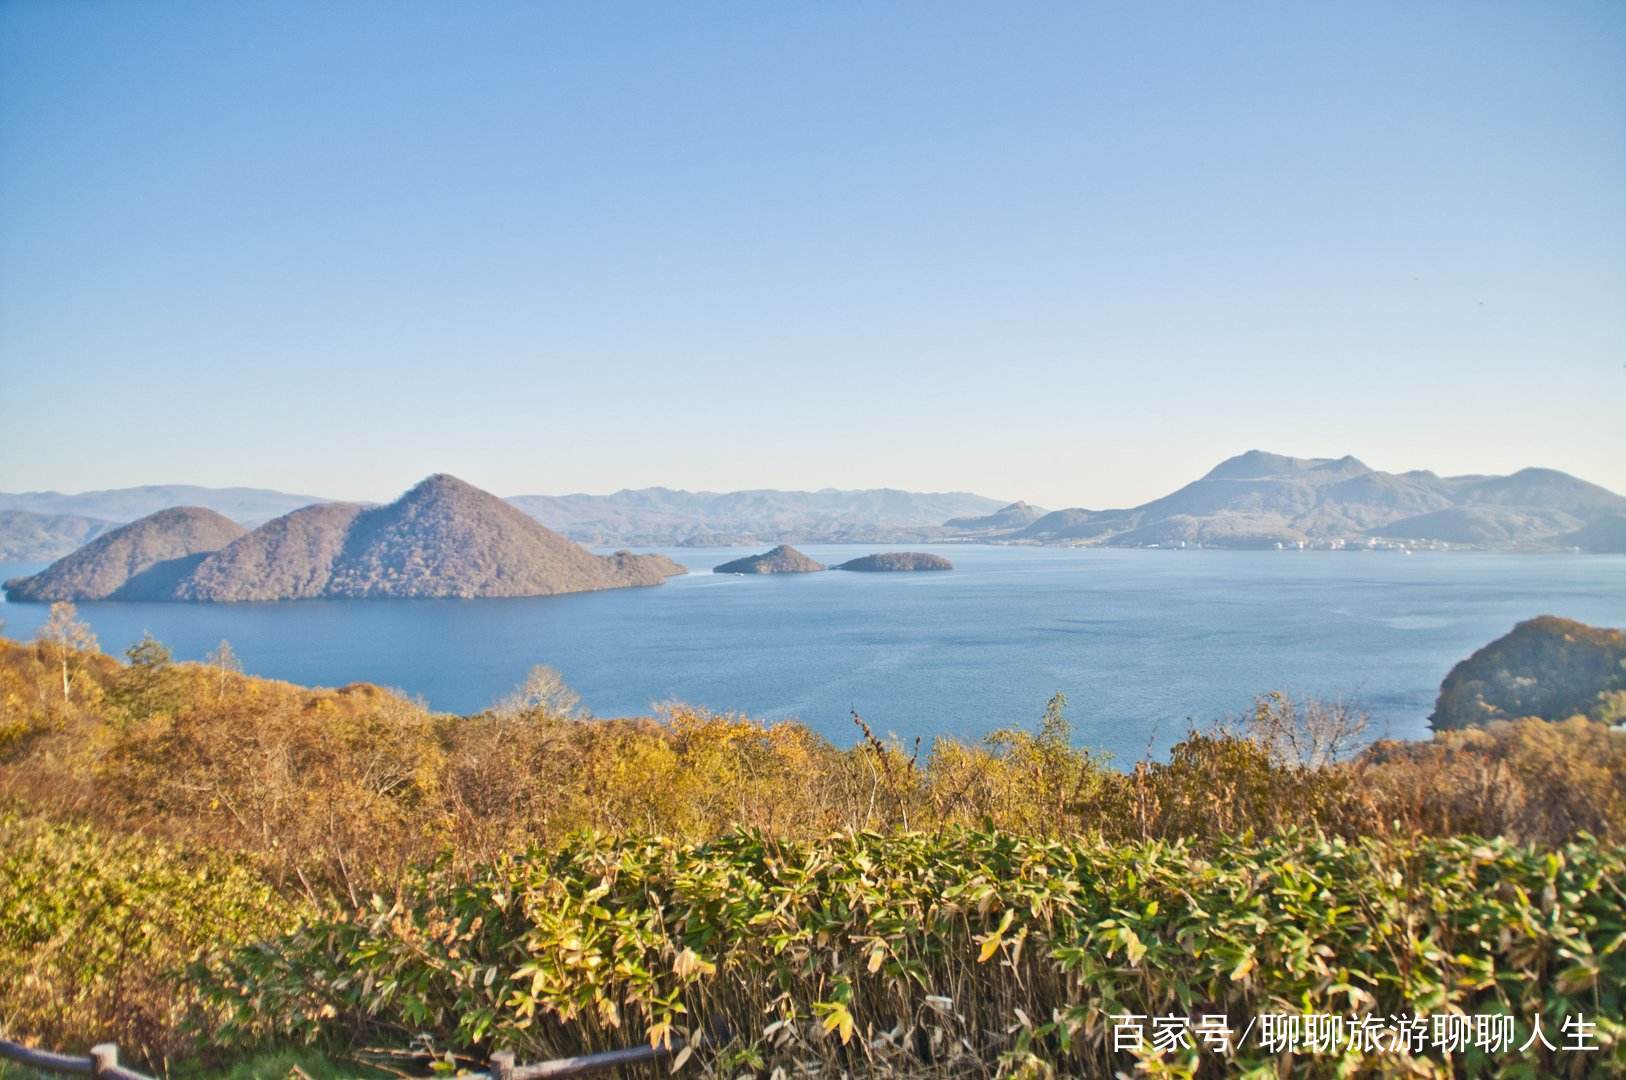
[(103, 1062)]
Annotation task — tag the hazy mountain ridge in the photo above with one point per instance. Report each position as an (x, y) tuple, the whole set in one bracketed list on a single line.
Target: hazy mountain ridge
[(1255, 499), (27, 536), (244, 505), (1259, 499), (663, 516), (443, 538), (649, 517)]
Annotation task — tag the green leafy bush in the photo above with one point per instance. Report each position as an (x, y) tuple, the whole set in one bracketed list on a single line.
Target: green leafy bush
[(960, 950), (97, 931)]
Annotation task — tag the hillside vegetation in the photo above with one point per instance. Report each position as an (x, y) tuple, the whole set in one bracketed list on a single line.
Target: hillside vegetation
[(559, 884)]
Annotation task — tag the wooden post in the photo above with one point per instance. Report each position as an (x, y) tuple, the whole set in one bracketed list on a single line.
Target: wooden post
[(104, 1058), (502, 1065)]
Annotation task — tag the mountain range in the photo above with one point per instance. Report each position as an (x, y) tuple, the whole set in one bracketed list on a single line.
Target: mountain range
[(1256, 499), (246, 506), (44, 525), (443, 538), (1259, 499), (659, 517)]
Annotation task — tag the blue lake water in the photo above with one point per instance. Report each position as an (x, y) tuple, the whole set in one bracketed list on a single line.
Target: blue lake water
[(1140, 641)]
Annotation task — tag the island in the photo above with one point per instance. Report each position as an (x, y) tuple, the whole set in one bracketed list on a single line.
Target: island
[(783, 559), (443, 538), (888, 561)]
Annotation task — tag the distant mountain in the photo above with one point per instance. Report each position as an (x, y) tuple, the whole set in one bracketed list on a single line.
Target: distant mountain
[(783, 559), (29, 537), (444, 538), (1544, 667), (1605, 534), (246, 506), (1546, 489), (1017, 515), (661, 516), (894, 561), (1258, 499), (1483, 526), (649, 517), (143, 560)]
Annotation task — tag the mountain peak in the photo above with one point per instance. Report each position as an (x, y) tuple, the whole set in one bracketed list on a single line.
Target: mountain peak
[(1257, 464), (1252, 464), (437, 485)]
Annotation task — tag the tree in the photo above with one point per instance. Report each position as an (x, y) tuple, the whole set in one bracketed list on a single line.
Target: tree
[(64, 635), (1307, 732), (1050, 779), (149, 652), (151, 684), (225, 662), (543, 690)]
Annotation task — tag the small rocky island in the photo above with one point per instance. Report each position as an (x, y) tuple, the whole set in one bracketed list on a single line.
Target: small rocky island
[(897, 560), (783, 559)]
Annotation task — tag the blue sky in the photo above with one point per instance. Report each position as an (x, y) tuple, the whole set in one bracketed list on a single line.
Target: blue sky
[(1071, 253)]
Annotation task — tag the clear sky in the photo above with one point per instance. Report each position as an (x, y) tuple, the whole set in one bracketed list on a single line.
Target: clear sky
[(1074, 253)]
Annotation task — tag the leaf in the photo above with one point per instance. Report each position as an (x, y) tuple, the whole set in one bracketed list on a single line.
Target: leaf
[(689, 964), (1135, 947), (839, 1019)]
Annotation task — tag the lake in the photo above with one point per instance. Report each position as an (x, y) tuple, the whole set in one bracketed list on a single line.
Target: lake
[(1140, 641)]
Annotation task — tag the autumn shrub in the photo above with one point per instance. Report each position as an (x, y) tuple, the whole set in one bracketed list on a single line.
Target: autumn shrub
[(1531, 780), (961, 952), (98, 930), (966, 906)]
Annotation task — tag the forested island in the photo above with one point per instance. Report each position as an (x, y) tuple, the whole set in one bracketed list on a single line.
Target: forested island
[(783, 559), (896, 561), (443, 538)]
